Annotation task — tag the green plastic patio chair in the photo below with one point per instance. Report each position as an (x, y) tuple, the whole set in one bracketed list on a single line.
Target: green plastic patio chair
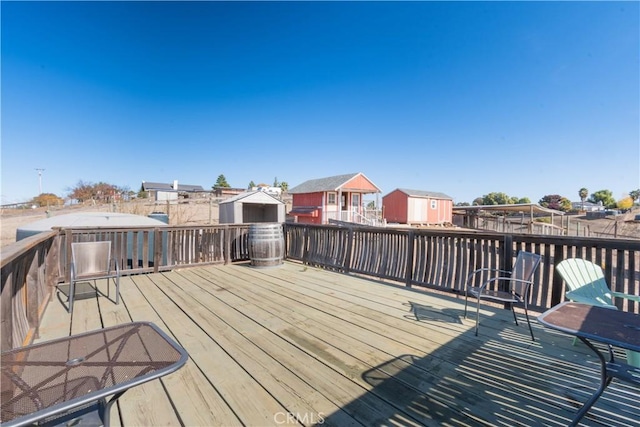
[(586, 284)]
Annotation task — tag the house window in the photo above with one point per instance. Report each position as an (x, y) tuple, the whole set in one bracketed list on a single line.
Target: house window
[(331, 198), (434, 204)]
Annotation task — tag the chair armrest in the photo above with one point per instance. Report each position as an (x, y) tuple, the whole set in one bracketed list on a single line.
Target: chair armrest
[(508, 279), (480, 270), (626, 296), (577, 297)]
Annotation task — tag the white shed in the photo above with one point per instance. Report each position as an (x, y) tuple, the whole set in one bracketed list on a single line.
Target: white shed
[(252, 206)]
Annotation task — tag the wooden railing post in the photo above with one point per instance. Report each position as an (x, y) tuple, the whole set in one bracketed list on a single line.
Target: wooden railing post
[(305, 245), (6, 306), (350, 237), (410, 248), (52, 265), (157, 249), (227, 244), (506, 263), (68, 239), (556, 283), (32, 304)]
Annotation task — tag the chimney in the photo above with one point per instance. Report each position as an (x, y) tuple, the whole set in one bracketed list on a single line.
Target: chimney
[(175, 184)]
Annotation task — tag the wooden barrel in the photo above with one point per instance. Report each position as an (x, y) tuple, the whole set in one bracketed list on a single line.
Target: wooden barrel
[(266, 244)]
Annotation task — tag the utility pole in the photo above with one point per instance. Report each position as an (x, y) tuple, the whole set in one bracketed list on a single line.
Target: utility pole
[(40, 179)]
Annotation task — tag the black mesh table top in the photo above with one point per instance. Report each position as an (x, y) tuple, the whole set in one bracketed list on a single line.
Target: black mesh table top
[(49, 378)]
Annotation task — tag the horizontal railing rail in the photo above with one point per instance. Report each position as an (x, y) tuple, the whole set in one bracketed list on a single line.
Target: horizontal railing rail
[(443, 259), (154, 249)]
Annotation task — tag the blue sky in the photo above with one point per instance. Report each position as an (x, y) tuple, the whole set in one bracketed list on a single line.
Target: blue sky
[(464, 98)]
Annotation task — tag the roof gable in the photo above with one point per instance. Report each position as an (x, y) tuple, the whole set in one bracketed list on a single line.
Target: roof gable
[(350, 181), (258, 197), (422, 193), (155, 186), (160, 186)]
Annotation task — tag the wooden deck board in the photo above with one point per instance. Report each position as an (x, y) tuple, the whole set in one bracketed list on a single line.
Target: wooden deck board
[(300, 346)]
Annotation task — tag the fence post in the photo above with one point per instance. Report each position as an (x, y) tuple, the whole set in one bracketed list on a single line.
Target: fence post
[(507, 260), (350, 237), (52, 265), (410, 256), (305, 245), (157, 249), (506, 263), (556, 283), (227, 244), (6, 305), (68, 239)]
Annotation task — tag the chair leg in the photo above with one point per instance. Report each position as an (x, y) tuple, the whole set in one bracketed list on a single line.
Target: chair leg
[(526, 314), (466, 296), (513, 310), (72, 291), (117, 290), (477, 315)]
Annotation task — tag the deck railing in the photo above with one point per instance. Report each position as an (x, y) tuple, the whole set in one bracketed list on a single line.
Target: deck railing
[(29, 273), (31, 268), (437, 259), (442, 259)]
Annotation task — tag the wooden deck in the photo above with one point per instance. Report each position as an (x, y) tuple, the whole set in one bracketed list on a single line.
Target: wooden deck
[(293, 345)]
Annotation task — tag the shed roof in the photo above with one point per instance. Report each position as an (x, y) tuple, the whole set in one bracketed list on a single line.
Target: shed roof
[(422, 193), (331, 183), (256, 196), (87, 219), (160, 186), (518, 207)]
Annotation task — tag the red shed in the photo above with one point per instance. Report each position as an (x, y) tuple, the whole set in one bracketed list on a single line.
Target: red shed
[(336, 197), (417, 207)]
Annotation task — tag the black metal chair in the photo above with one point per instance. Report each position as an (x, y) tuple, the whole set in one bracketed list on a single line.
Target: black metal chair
[(504, 286)]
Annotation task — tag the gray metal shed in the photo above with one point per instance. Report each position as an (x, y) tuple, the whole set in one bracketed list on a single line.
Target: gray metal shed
[(87, 219), (252, 206)]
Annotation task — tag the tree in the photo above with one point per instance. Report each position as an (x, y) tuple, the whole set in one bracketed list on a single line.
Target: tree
[(284, 186), (101, 192), (498, 199), (82, 191), (583, 193), (46, 199), (635, 195), (604, 196), (275, 182), (557, 202), (142, 194), (524, 200), (251, 185), (626, 203), (221, 182)]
